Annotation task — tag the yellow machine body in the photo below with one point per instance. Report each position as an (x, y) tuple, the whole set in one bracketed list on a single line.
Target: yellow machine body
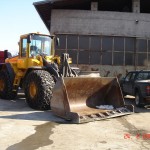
[(26, 60)]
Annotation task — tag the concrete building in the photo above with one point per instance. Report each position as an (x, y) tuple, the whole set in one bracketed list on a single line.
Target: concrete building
[(109, 36)]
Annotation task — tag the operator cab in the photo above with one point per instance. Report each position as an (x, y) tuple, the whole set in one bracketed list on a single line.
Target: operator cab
[(36, 44)]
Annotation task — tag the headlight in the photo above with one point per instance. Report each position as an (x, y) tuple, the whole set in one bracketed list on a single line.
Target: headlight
[(70, 60)]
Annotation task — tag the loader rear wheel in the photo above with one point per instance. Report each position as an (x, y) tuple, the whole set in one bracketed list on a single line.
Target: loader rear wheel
[(6, 86), (38, 89)]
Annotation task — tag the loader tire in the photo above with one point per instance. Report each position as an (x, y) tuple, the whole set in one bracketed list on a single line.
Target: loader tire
[(38, 89), (6, 86)]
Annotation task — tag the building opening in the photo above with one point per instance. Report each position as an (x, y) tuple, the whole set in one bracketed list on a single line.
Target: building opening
[(76, 5), (115, 5), (144, 6)]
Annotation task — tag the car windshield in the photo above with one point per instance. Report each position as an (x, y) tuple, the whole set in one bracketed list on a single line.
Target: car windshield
[(143, 76), (40, 44)]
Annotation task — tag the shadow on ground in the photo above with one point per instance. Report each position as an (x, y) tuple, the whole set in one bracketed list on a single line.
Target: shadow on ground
[(39, 139), (19, 109)]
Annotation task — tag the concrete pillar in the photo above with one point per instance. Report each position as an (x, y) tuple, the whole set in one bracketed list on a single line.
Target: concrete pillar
[(94, 6), (136, 6)]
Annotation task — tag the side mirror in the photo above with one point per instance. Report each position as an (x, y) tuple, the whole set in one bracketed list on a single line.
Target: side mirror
[(57, 41)]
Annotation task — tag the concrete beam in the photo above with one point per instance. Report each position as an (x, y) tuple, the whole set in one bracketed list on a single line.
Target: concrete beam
[(100, 23)]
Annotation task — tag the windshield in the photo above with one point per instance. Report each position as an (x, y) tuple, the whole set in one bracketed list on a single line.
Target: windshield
[(40, 44), (143, 76)]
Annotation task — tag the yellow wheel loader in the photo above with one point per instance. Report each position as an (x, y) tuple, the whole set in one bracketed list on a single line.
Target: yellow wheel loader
[(49, 82)]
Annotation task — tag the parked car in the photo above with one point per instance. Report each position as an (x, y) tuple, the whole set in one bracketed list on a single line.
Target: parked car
[(137, 83)]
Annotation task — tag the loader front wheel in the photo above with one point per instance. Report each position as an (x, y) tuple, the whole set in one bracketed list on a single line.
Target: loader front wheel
[(6, 86), (38, 89)]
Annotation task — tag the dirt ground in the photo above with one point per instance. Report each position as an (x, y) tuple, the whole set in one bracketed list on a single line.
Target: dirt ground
[(22, 128)]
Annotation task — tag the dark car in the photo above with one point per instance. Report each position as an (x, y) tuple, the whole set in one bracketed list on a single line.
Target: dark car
[(137, 83)]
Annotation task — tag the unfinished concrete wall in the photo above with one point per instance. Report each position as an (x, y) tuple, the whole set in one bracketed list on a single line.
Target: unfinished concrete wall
[(112, 43), (100, 23)]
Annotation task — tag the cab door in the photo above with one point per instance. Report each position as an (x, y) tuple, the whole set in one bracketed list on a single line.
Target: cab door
[(23, 48), (128, 84)]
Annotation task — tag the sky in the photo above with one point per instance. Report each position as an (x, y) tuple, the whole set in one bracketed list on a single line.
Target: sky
[(18, 17)]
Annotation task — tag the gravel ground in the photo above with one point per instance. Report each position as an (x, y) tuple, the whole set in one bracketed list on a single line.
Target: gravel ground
[(22, 128)]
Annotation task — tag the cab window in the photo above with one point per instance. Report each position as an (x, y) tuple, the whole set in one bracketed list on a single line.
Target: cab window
[(133, 76), (40, 45), (128, 77), (24, 48), (143, 76)]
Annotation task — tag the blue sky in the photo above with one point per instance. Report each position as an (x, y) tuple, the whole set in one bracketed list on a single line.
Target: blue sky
[(18, 17)]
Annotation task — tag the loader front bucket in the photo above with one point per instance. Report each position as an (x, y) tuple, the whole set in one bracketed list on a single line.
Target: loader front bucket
[(84, 99)]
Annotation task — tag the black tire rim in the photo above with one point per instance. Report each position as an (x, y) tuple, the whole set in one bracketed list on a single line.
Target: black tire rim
[(137, 99)]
